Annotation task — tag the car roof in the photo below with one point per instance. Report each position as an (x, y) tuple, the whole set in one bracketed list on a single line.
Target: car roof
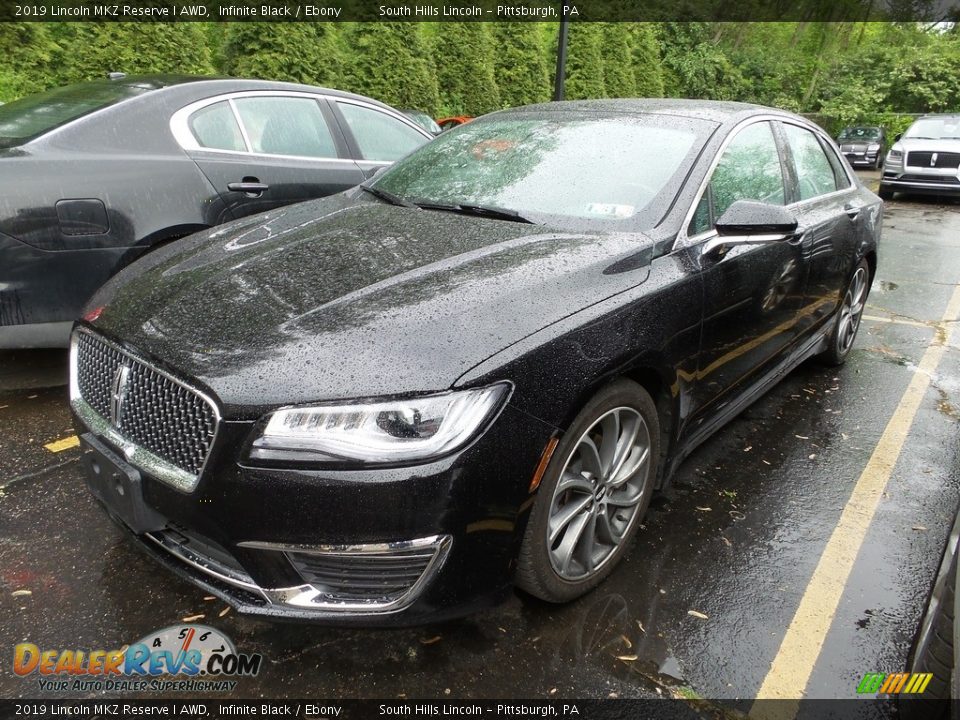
[(202, 85), (720, 111)]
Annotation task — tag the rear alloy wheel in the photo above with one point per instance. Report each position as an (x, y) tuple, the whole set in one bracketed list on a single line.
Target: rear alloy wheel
[(596, 489), (848, 317)]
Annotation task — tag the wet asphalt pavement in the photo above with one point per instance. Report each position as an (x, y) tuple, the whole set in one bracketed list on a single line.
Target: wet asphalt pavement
[(736, 539)]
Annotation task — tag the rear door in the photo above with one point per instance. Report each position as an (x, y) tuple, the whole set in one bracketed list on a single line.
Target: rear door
[(377, 138), (262, 150), (831, 215)]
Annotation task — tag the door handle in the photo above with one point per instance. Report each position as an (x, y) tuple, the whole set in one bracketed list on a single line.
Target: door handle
[(852, 211), (250, 188)]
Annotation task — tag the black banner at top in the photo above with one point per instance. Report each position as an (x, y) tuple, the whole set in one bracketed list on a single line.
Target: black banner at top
[(478, 10)]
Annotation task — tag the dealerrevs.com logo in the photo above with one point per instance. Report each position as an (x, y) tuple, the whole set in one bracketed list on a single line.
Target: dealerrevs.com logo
[(187, 658)]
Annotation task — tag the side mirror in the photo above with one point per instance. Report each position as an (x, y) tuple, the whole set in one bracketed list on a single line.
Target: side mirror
[(896, 138), (748, 222)]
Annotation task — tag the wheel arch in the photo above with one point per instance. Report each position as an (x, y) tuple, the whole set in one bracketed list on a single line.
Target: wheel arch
[(660, 383)]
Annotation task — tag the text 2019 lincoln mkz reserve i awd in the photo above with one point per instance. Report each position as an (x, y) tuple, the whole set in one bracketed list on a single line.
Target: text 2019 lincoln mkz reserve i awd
[(392, 404)]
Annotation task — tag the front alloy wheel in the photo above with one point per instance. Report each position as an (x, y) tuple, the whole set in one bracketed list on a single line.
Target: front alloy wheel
[(595, 490)]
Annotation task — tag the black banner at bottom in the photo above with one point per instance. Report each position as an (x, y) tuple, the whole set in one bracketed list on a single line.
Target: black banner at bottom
[(181, 708)]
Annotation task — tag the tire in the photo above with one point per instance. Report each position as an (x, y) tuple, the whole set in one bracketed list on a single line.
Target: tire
[(847, 322), (885, 193), (579, 530), (935, 655)]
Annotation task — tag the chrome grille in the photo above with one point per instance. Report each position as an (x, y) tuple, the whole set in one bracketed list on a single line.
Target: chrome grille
[(927, 159), (149, 409)]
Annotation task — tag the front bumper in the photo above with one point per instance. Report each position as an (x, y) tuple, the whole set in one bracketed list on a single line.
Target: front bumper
[(864, 158), (915, 180), (386, 546)]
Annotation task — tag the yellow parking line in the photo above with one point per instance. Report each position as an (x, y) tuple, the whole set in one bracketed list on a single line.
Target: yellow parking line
[(791, 668), (899, 321), (63, 444)]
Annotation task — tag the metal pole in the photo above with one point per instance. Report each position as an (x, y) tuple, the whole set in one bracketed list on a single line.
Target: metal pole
[(561, 59)]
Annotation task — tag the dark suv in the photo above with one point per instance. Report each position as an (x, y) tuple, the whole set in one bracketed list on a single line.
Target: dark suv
[(863, 145)]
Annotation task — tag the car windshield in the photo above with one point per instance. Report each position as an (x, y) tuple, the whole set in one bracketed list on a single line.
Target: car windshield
[(29, 117), (575, 170), (935, 128), (860, 133)]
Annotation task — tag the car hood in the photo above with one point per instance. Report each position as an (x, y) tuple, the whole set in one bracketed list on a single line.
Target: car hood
[(342, 298)]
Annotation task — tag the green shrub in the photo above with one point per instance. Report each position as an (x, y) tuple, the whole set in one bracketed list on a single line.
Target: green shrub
[(463, 55), (617, 51), (292, 52), (585, 78), (389, 61), (521, 68)]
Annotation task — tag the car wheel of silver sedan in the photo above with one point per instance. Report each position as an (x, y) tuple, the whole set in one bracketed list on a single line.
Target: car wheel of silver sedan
[(595, 490)]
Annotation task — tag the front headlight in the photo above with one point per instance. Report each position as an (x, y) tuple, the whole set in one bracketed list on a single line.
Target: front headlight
[(873, 147), (379, 431), (895, 155)]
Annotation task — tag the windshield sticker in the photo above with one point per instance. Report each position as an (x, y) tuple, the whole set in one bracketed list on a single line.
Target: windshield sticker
[(610, 210)]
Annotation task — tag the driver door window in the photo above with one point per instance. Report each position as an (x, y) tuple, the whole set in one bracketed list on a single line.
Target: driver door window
[(749, 169)]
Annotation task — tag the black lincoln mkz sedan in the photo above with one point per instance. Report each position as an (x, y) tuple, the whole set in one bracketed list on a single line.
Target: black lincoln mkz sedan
[(393, 404)]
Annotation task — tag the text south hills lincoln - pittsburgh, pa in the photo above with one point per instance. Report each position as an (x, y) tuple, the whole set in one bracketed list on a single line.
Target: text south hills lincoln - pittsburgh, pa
[(443, 10)]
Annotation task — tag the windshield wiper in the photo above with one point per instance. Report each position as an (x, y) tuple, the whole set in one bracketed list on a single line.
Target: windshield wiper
[(489, 211), (387, 196)]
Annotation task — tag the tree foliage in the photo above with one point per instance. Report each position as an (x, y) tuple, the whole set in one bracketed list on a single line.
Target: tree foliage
[(647, 68), (390, 62), (463, 56), (844, 72), (520, 63), (91, 50), (28, 50), (619, 80), (585, 63), (295, 52)]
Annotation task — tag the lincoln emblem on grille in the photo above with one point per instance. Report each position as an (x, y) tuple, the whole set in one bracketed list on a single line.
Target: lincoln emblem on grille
[(118, 393), (933, 160)]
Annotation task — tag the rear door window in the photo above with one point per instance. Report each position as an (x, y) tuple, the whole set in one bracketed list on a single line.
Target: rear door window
[(293, 126)]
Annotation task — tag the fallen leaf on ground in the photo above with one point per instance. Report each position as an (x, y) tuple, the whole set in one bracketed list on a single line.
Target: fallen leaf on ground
[(21, 593), (697, 614), (193, 618), (627, 658), (627, 641), (430, 641), (921, 528), (704, 509), (224, 611), (801, 437)]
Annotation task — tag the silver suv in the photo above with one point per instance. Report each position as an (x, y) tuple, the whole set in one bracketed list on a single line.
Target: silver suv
[(925, 160)]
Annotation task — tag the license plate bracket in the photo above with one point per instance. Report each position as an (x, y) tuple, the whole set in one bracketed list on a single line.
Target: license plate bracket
[(118, 486)]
